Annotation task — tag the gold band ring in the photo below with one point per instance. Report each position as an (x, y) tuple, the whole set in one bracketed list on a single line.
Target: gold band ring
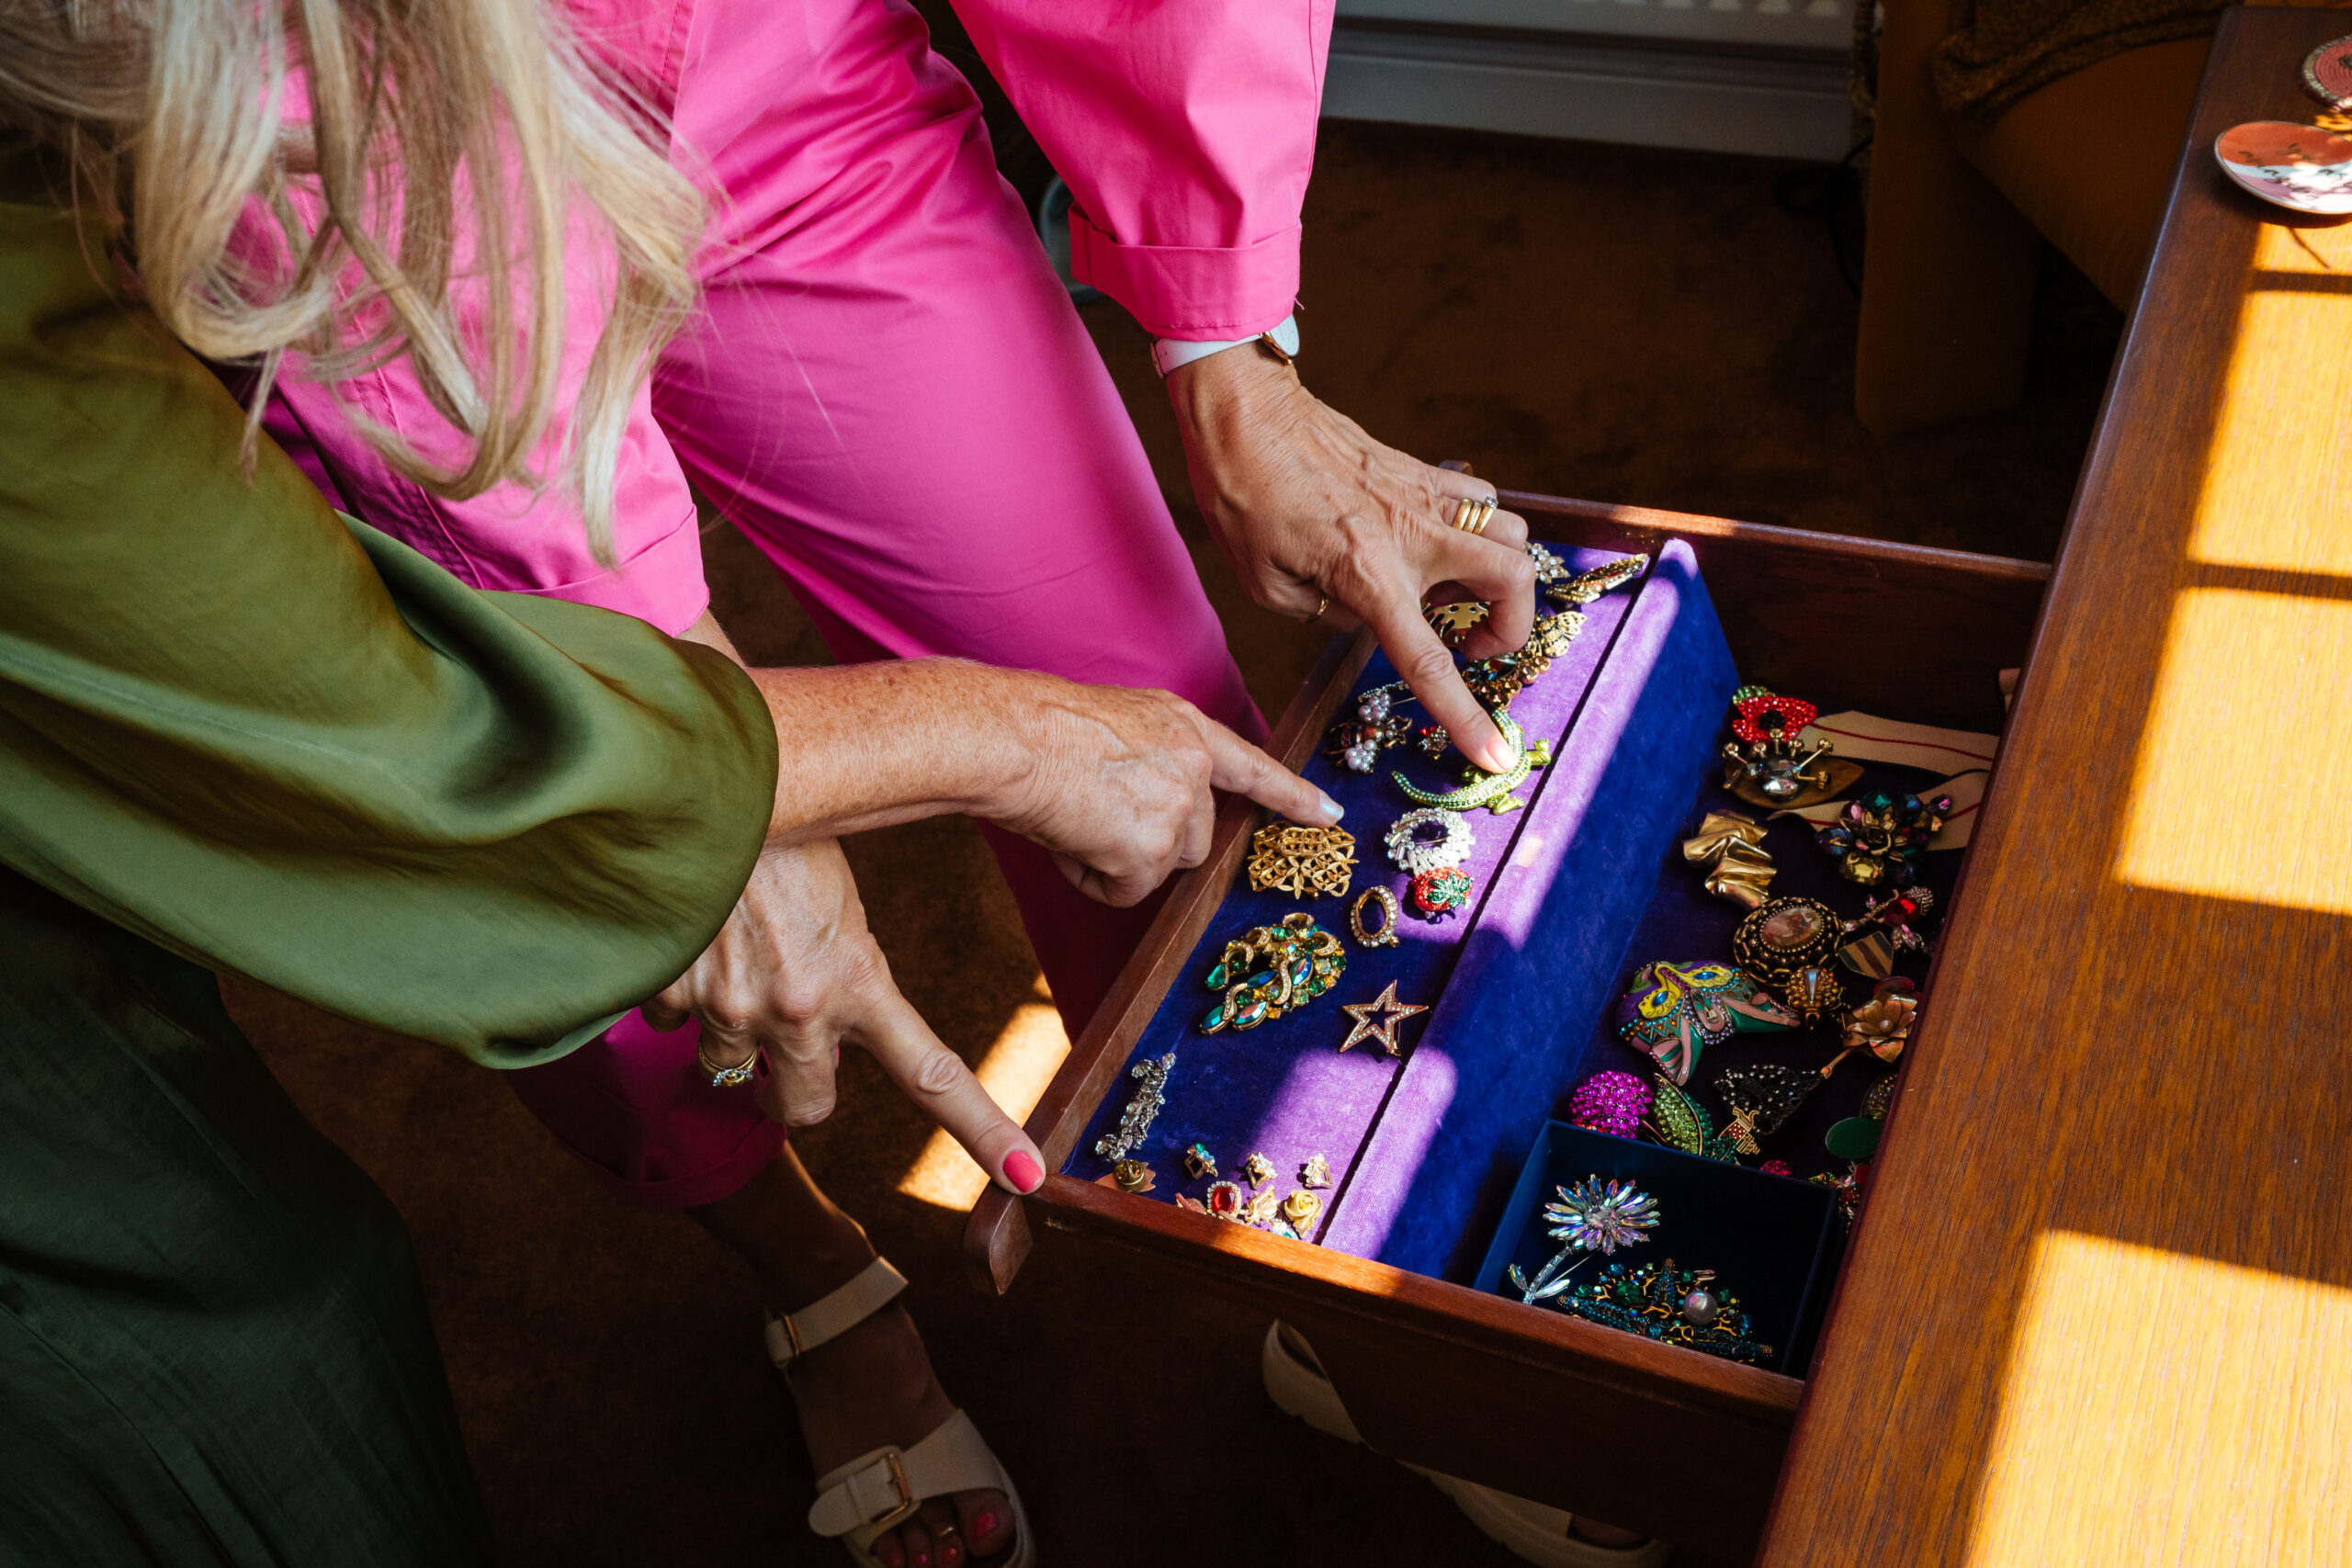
[(1322, 605), (721, 1076), (1473, 513)]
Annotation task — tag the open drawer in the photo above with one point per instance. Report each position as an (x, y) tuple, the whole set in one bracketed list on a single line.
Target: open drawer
[(1475, 1384)]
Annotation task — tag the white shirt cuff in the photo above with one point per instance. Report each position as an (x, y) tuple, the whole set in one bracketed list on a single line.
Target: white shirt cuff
[(1167, 352)]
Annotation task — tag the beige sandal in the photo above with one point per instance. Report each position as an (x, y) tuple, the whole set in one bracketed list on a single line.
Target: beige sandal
[(1527, 1529), (879, 1491)]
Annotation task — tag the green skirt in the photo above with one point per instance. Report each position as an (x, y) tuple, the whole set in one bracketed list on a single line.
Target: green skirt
[(213, 1348)]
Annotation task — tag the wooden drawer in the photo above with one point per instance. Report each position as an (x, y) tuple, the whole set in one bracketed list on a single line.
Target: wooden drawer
[(1525, 1399)]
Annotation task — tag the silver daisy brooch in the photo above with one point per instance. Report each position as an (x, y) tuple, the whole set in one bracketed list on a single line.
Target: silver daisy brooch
[(1591, 1216)]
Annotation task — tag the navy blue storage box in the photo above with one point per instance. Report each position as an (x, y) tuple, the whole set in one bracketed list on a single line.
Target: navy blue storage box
[(1773, 1241)]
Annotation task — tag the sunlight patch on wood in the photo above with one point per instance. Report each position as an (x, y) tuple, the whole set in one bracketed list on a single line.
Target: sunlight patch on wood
[(2240, 773), (2273, 492), (1015, 1070), (2160, 1407)]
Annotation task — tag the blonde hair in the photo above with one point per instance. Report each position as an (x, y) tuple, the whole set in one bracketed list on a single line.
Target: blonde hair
[(447, 141)]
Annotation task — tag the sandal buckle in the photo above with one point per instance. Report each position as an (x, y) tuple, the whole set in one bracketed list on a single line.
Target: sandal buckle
[(907, 1502)]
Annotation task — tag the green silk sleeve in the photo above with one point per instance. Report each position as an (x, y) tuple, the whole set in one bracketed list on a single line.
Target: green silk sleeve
[(275, 741)]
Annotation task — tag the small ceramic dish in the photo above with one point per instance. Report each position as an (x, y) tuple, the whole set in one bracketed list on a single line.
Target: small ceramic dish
[(2291, 165)]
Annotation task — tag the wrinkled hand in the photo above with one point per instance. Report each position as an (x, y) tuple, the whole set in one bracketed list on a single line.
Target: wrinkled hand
[(794, 975), (1306, 505), (1119, 781)]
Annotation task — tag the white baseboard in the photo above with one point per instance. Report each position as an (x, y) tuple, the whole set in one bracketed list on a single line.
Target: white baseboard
[(1818, 25), (1774, 106)]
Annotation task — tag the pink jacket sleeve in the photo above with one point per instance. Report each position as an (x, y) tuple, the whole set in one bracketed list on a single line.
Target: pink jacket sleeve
[(1186, 130)]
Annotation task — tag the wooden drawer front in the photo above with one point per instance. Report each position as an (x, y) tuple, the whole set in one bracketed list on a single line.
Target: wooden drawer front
[(1471, 1385)]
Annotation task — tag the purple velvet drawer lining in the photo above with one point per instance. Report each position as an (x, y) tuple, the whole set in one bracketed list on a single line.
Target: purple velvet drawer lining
[(1282, 1090)]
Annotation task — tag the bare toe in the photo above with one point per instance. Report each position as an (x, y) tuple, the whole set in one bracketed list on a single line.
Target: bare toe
[(887, 1551), (917, 1540), (938, 1521), (987, 1520)]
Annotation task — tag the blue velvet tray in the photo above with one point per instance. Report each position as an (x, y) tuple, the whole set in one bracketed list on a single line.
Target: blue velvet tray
[(1640, 691), (1773, 1241)]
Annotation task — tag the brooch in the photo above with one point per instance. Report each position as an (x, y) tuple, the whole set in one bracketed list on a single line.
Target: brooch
[(1495, 680), (1439, 882), (1588, 1216), (1447, 887), (1762, 1097), (1848, 1190), (1452, 622), (1788, 944), (1879, 1100), (1383, 1027), (1381, 935), (1899, 911), (1881, 1025), (1270, 970), (1411, 851), (1676, 1306), (1775, 769), (1135, 1121), (1674, 1011), (1729, 848), (1611, 1103), (1855, 1139), (1880, 837), (1359, 741), (1302, 862), (1587, 586), (1479, 787), (1499, 678), (1681, 1122)]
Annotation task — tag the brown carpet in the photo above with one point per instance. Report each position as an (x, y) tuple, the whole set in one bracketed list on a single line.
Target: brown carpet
[(1596, 320)]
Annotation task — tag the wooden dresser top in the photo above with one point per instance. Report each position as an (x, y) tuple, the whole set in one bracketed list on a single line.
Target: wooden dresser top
[(2099, 1309)]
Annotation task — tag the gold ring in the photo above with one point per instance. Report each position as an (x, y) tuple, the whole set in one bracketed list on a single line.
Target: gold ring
[(1473, 513), (1386, 935), (721, 1076), (1322, 605)]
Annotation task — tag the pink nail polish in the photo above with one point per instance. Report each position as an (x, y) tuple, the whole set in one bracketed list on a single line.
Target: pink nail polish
[(984, 1525), (1024, 1172)]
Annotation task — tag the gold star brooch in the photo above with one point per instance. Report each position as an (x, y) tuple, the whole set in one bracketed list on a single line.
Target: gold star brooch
[(1383, 1029)]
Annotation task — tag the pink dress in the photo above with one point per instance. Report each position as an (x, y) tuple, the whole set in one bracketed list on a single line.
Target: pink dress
[(889, 391)]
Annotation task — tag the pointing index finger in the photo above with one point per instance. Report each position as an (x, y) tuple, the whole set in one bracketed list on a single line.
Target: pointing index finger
[(1429, 668), (936, 1079), (1239, 768)]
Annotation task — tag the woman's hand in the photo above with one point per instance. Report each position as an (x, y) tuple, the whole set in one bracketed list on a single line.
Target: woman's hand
[(1113, 780), (794, 975), (1307, 506), (1119, 781)]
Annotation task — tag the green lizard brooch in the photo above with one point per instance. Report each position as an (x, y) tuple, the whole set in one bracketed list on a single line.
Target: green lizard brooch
[(1479, 787)]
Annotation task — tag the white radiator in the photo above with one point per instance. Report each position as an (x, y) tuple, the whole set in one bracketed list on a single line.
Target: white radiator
[(1756, 76), (1781, 23)]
